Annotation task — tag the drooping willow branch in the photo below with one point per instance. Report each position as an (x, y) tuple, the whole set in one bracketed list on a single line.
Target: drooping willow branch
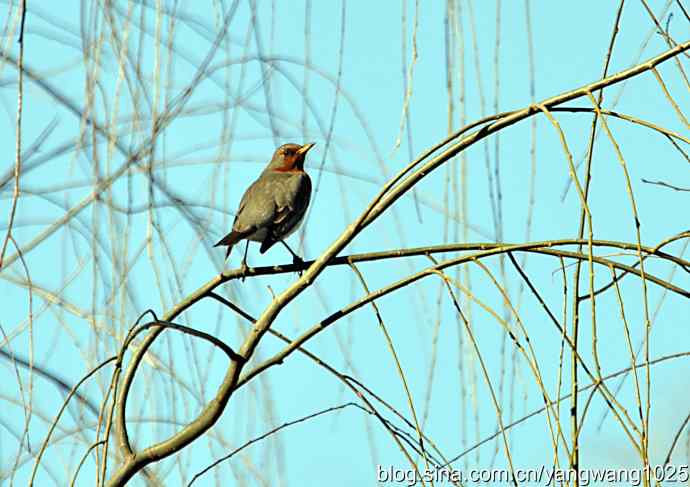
[(540, 410), (354, 385), (491, 249), (170, 113), (403, 182), (498, 249)]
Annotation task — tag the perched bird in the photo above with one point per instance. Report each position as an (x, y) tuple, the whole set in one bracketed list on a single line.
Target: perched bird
[(273, 206)]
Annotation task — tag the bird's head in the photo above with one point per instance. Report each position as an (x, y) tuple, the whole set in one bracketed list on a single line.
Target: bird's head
[(289, 157)]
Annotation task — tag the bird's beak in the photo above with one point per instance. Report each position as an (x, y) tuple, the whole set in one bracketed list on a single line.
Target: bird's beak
[(305, 148)]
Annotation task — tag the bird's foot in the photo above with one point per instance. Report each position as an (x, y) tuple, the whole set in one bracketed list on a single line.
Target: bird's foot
[(244, 268), (296, 260)]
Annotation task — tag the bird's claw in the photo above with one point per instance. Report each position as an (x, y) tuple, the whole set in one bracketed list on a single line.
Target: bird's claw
[(244, 268), (298, 261)]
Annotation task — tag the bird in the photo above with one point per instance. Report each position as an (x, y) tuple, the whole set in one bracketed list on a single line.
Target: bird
[(274, 205)]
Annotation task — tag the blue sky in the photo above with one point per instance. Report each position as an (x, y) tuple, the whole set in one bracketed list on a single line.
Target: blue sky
[(209, 154)]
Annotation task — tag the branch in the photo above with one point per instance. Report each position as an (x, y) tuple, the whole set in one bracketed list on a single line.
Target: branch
[(384, 200), (280, 357)]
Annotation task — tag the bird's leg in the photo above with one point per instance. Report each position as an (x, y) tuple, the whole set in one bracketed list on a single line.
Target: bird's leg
[(243, 265), (296, 259)]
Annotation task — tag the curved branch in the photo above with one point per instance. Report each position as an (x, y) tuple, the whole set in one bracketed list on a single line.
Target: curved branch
[(322, 325), (383, 201)]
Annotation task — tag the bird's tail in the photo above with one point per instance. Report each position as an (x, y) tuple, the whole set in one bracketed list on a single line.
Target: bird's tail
[(230, 239)]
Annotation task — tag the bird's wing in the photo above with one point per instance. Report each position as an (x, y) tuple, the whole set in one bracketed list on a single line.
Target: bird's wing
[(276, 202), (291, 203), (257, 208), (294, 197)]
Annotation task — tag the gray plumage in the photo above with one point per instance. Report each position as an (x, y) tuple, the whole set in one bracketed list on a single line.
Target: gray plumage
[(275, 204)]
